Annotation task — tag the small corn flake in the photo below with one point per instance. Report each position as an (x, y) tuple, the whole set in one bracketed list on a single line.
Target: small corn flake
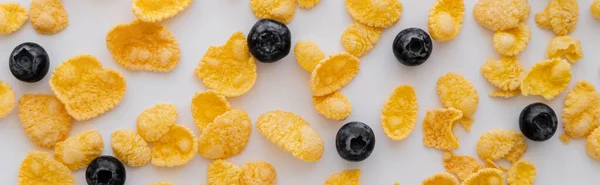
[(443, 178), (565, 46), (559, 15), (44, 119), (581, 114), (258, 173), (505, 94), (39, 168), (154, 122), (227, 136), (399, 114), (162, 183), (130, 148), (7, 99), (462, 166), (595, 9), (378, 14), (229, 69), (335, 106), (521, 173), (280, 10), (307, 3), (438, 127), (78, 151), (87, 89), (346, 177), (12, 17), (206, 106), (491, 164), (396, 183), (486, 176), (175, 148), (565, 138), (308, 54), (505, 73), (457, 92), (495, 144), (141, 46), (518, 149), (48, 16), (292, 133), (592, 144), (547, 78), (222, 172), (155, 11), (445, 19), (359, 39), (333, 73), (512, 41), (491, 14)]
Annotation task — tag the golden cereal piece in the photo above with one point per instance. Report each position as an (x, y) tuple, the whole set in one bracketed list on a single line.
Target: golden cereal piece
[(39, 168), (359, 39), (399, 114), (48, 16), (490, 164), (78, 151), (565, 138), (221, 172), (547, 78), (495, 144), (258, 173), (307, 3), (595, 9), (581, 114), (592, 144), (7, 99), (518, 149), (513, 41), (445, 19), (334, 106), (438, 127), (12, 17), (227, 136), (559, 15), (378, 14), (443, 178), (44, 119), (346, 177), (308, 54), (492, 14), (521, 173), (333, 73), (487, 176), (505, 94), (130, 148), (158, 10), (505, 73), (280, 10), (565, 46), (463, 166), (206, 106), (176, 148), (457, 92), (154, 122)]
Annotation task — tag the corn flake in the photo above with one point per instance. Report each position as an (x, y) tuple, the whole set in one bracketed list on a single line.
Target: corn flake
[(7, 99), (518, 149), (346, 177), (505, 73), (521, 173), (462, 166), (308, 54), (438, 127), (378, 14), (12, 17), (78, 151), (334, 106), (505, 94), (44, 119), (154, 122), (48, 16), (39, 168), (581, 114), (486, 176), (307, 3), (206, 106), (491, 164), (130, 148), (443, 178), (512, 41), (565, 46), (333, 73), (495, 144), (154, 11), (595, 9), (359, 39), (227, 136), (175, 148), (258, 173), (492, 14), (559, 15), (457, 92), (280, 10), (547, 78), (592, 144), (222, 172), (445, 19), (399, 114)]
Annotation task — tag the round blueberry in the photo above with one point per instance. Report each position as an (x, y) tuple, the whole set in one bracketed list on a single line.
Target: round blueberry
[(269, 40), (29, 62), (355, 141), (105, 170), (538, 122), (412, 46)]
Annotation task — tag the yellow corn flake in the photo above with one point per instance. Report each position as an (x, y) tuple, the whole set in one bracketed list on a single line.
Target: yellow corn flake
[(378, 14), (292, 133), (39, 168), (48, 16), (346, 177), (559, 15), (280, 10), (162, 183), (457, 92), (44, 119), (565, 138), (12, 17), (130, 148), (7, 99), (359, 39), (521, 173), (308, 54), (592, 144), (334, 106), (512, 41), (438, 127), (443, 178), (223, 172), (78, 151), (396, 183), (492, 14), (518, 149), (547, 78), (462, 166), (495, 144), (229, 69), (581, 114), (490, 164), (258, 173), (87, 89), (176, 148), (227, 136), (154, 122), (505, 73), (505, 94), (399, 114), (333, 73), (206, 106), (307, 3), (445, 19), (154, 11), (565, 46), (486, 176), (143, 46), (595, 9)]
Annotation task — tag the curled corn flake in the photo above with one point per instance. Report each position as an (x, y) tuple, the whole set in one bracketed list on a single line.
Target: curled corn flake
[(445, 19), (581, 114), (308, 54), (492, 14), (457, 92), (12, 17), (163, 183), (518, 149), (486, 176), (175, 148), (158, 10), (592, 144), (359, 39), (223, 172), (280, 10), (399, 114), (521, 173), (462, 166), (505, 73), (490, 164), (7, 99), (559, 15), (79, 150), (292, 133), (227, 136), (334, 106), (39, 168), (595, 9), (87, 89), (143, 46), (44, 119), (206, 106), (565, 46), (379, 14), (495, 144), (547, 78), (333, 73), (130, 148), (154, 122), (48, 16), (565, 138), (443, 178), (512, 41), (307, 3), (346, 177), (505, 94), (437, 128), (258, 173), (229, 69)]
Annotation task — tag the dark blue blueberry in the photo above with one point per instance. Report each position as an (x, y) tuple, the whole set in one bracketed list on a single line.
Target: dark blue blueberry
[(269, 40), (105, 170), (29, 62), (355, 141), (538, 122), (412, 46)]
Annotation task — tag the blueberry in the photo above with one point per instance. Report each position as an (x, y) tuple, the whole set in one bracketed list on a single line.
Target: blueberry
[(269, 40), (538, 122), (29, 62), (412, 46), (355, 141), (105, 170)]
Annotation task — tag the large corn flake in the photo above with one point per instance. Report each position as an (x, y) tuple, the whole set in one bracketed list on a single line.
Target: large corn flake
[(486, 176), (222, 172), (462, 166), (38, 168), (154, 122), (48, 16), (229, 70), (505, 94), (206, 106), (457, 92), (443, 178), (258, 173), (143, 46), (399, 114), (12, 17), (307, 3), (308, 54), (7, 99), (79, 150), (581, 114), (334, 106), (518, 148), (505, 73), (512, 41), (559, 15), (292, 133), (438, 127), (445, 19), (44, 119), (87, 89), (595, 9), (493, 14), (495, 144), (547, 78), (521, 173), (158, 10), (346, 177), (379, 14), (592, 144), (130, 148), (359, 39), (491, 164), (333, 73), (280, 10), (565, 46), (176, 148), (227, 136)]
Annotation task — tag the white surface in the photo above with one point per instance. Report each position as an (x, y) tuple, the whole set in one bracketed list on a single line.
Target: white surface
[(284, 85)]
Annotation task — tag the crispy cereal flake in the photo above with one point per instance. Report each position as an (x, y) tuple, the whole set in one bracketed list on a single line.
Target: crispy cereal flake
[(512, 41), (559, 15), (463, 166), (521, 173), (175, 148), (457, 92), (78, 151), (227, 136), (495, 144), (12, 17), (130, 148), (7, 99), (437, 128), (518, 149), (39, 168), (581, 114), (307, 3), (445, 19), (592, 144), (280, 10), (158, 10), (206, 106), (346, 177), (505, 94), (333, 73), (44, 119), (399, 114), (595, 9), (492, 14), (359, 39), (375, 13), (443, 178), (222, 172), (48, 16), (308, 54), (565, 46), (491, 164), (258, 173), (486, 176), (154, 122), (335, 106), (505, 73), (547, 78)]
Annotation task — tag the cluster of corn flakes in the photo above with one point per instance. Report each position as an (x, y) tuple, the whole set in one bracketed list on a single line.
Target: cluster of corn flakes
[(457, 92), (130, 148), (438, 127), (399, 114), (154, 122), (495, 144), (443, 178), (445, 19), (492, 14), (506, 74), (308, 54), (12, 17), (560, 15), (206, 106), (78, 151), (581, 114), (176, 148), (378, 14), (565, 46), (547, 78), (39, 168), (280, 10), (154, 11), (48, 16), (486, 176), (521, 173), (7, 99), (226, 136), (512, 41), (251, 173), (44, 119), (333, 73), (346, 177), (359, 39), (592, 144)]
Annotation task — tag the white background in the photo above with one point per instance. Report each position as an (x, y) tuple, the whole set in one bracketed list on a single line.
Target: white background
[(284, 85)]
